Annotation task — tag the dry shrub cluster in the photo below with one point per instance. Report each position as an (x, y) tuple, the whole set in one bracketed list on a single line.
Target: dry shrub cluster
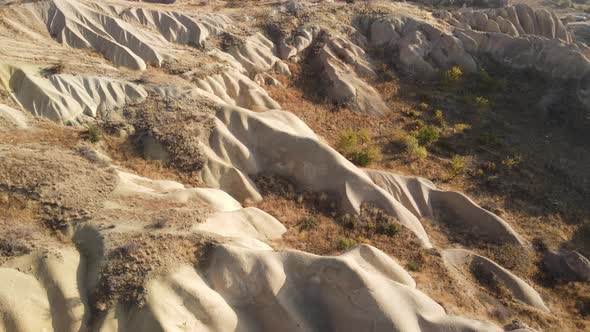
[(129, 264), (177, 126)]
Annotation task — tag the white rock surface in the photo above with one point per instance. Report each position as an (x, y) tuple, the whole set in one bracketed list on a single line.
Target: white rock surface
[(65, 98), (12, 117)]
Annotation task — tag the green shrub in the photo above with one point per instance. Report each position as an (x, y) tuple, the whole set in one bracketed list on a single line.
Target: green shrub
[(427, 135), (452, 77), (419, 124), (345, 243), (308, 223), (457, 165), (511, 163), (414, 266), (487, 83), (423, 106), (389, 229), (347, 141), (365, 156), (413, 148), (461, 127), (478, 103), (93, 133), (438, 115), (412, 113), (357, 147)]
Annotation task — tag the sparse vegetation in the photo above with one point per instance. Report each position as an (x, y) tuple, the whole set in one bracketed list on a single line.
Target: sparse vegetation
[(56, 69), (427, 135), (93, 133), (452, 77), (413, 148), (414, 266), (309, 223), (477, 103), (457, 166), (389, 228), (345, 243), (511, 163), (357, 147), (461, 127)]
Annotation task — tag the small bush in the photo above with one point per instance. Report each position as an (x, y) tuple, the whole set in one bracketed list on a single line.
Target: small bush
[(93, 133), (461, 127), (53, 70), (309, 223), (414, 266), (365, 156), (423, 106), (419, 124), (438, 115), (487, 83), (357, 147), (413, 148), (345, 243), (412, 113), (489, 167), (390, 229), (428, 135), (452, 77), (511, 163), (479, 103), (457, 165), (159, 223)]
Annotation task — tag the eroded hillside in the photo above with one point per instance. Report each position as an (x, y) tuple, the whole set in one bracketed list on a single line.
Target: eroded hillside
[(293, 166)]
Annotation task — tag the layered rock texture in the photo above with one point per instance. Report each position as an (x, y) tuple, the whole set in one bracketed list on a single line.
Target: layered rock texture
[(103, 249)]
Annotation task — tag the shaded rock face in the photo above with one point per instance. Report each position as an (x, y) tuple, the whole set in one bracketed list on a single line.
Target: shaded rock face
[(567, 265), (424, 49), (492, 275), (420, 48), (518, 20)]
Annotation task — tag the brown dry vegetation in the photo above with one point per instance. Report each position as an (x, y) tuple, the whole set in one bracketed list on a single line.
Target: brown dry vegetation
[(530, 168), (133, 259)]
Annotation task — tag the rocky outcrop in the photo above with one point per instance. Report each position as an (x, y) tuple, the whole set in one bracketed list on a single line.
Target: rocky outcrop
[(80, 25), (239, 281), (487, 272), (255, 53), (65, 98), (11, 118), (424, 48), (460, 213), (344, 69), (418, 47), (567, 265), (236, 89), (518, 20)]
